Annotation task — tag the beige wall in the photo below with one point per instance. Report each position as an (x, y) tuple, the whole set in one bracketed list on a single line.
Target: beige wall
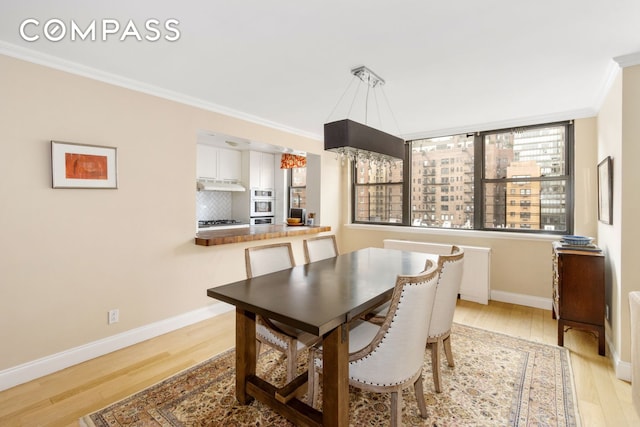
[(519, 264), (610, 144), (629, 202), (69, 255), (618, 136)]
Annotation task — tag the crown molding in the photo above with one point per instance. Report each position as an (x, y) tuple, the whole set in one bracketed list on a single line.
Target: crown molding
[(628, 60), (612, 73), (51, 61), (506, 124)]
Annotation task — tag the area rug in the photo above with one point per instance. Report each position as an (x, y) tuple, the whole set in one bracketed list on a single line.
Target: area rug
[(498, 380)]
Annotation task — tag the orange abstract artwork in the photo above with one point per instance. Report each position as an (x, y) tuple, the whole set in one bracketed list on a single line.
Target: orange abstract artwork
[(85, 166)]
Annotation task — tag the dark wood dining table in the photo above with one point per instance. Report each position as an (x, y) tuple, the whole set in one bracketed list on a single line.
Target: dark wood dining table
[(320, 298)]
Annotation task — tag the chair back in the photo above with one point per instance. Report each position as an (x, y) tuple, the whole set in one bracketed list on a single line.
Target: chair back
[(266, 259), (397, 351), (318, 248), (451, 267)]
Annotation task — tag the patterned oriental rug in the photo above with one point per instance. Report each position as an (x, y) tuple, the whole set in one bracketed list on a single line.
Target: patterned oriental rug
[(498, 380)]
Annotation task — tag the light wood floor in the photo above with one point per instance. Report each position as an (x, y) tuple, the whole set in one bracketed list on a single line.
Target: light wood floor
[(60, 399)]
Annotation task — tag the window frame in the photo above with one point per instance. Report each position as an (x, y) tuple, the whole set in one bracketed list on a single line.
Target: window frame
[(405, 185), (292, 187), (569, 176), (480, 183)]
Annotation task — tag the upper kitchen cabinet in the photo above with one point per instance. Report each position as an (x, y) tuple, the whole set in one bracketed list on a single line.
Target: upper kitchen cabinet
[(206, 161), (218, 163), (261, 170), (230, 164)]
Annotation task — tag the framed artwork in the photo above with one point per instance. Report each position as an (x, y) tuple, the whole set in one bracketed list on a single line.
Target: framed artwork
[(83, 166), (605, 191)]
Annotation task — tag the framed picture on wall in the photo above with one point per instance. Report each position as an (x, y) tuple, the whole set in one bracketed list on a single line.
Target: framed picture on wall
[(83, 166), (605, 191)]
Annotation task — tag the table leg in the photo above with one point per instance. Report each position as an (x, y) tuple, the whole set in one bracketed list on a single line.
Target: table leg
[(335, 377), (245, 353)]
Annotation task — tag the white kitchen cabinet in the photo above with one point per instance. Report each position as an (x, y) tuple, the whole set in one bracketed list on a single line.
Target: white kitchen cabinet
[(261, 169), (218, 163), (229, 165), (207, 161)]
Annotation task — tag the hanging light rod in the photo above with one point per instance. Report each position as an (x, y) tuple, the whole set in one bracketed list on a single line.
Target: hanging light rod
[(368, 76)]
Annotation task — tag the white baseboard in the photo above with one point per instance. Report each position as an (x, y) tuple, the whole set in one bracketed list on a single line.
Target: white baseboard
[(37, 368), (47, 365), (622, 368), (521, 299)]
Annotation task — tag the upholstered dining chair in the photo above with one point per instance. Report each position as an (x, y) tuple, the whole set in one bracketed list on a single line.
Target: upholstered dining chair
[(286, 339), (439, 337), (318, 248), (389, 358)]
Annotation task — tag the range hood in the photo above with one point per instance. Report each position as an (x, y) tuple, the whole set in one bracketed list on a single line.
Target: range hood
[(203, 184)]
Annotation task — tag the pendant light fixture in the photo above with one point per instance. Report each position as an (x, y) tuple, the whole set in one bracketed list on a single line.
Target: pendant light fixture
[(359, 142)]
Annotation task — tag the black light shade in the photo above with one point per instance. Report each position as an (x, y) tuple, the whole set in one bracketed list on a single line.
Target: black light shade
[(347, 135)]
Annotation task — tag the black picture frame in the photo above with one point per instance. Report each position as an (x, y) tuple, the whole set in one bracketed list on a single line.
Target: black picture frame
[(605, 191)]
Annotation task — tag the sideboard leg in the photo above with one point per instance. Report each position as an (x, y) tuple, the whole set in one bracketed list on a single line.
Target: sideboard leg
[(560, 333)]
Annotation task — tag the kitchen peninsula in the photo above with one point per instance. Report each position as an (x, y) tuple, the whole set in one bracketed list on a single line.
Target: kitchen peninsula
[(254, 233)]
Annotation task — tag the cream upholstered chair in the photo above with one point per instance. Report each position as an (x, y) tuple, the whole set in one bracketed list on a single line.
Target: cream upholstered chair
[(389, 358), (439, 337), (268, 259), (318, 248)]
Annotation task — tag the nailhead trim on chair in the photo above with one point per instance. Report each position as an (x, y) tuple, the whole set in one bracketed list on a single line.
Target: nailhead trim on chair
[(402, 297), (368, 362)]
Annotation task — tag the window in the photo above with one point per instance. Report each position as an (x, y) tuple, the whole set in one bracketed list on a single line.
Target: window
[(451, 150), (526, 171), (378, 193), (516, 179), (298, 188)]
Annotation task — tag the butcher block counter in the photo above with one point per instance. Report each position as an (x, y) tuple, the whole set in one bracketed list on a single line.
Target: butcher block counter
[(255, 233)]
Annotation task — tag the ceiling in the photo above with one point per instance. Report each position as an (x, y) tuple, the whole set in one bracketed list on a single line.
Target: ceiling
[(449, 66)]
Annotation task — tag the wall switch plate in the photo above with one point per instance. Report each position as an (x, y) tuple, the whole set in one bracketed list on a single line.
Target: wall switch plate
[(606, 312), (114, 316)]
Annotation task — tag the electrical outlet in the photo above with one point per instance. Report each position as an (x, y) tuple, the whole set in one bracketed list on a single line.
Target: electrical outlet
[(114, 316)]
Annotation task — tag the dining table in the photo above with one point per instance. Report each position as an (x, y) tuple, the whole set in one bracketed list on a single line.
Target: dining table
[(320, 298)]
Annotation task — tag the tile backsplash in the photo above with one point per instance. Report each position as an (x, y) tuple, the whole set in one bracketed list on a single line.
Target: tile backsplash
[(213, 205)]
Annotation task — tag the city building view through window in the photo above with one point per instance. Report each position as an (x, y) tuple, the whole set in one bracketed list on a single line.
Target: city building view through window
[(298, 188), (526, 179), (378, 192), (442, 182), (516, 179)]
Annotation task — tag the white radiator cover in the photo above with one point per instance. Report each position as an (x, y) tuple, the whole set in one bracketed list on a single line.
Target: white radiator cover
[(477, 265)]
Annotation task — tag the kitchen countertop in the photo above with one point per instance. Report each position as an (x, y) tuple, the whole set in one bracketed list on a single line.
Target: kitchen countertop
[(255, 233)]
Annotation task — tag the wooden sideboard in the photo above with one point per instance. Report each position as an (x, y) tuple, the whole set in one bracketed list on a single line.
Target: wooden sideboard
[(578, 291)]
